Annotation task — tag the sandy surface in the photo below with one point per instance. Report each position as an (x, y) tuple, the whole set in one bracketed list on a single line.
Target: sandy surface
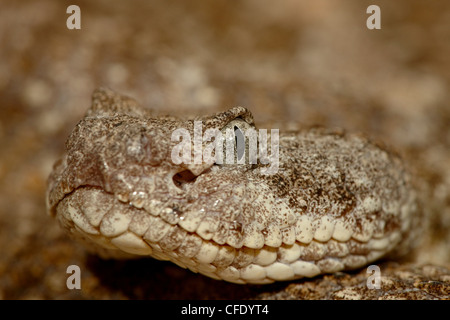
[(290, 62)]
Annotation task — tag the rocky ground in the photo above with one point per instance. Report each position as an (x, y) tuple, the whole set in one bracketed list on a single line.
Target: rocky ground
[(290, 62)]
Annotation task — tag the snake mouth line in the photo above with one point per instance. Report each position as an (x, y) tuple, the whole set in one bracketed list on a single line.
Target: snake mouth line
[(89, 189), (131, 230)]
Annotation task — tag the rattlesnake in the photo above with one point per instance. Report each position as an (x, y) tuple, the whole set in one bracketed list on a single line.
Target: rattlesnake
[(338, 201)]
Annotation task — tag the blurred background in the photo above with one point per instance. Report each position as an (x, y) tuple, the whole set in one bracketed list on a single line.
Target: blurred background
[(291, 62)]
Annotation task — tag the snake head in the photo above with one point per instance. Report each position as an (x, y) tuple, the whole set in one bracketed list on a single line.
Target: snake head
[(126, 150), (135, 182)]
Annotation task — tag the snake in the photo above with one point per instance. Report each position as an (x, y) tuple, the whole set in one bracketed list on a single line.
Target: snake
[(338, 201)]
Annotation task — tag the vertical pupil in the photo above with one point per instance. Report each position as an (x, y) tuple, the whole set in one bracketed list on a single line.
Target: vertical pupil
[(240, 142)]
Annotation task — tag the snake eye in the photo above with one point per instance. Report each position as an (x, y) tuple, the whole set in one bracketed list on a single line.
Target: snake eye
[(238, 142)]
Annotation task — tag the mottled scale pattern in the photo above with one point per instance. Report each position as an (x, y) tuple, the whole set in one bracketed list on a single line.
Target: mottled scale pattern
[(337, 202)]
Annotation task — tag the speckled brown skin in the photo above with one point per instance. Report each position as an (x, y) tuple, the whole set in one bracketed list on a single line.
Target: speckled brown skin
[(337, 202)]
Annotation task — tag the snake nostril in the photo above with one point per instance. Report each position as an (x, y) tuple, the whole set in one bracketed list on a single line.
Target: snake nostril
[(183, 179)]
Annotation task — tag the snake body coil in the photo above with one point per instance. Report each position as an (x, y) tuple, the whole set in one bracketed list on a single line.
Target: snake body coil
[(337, 202)]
